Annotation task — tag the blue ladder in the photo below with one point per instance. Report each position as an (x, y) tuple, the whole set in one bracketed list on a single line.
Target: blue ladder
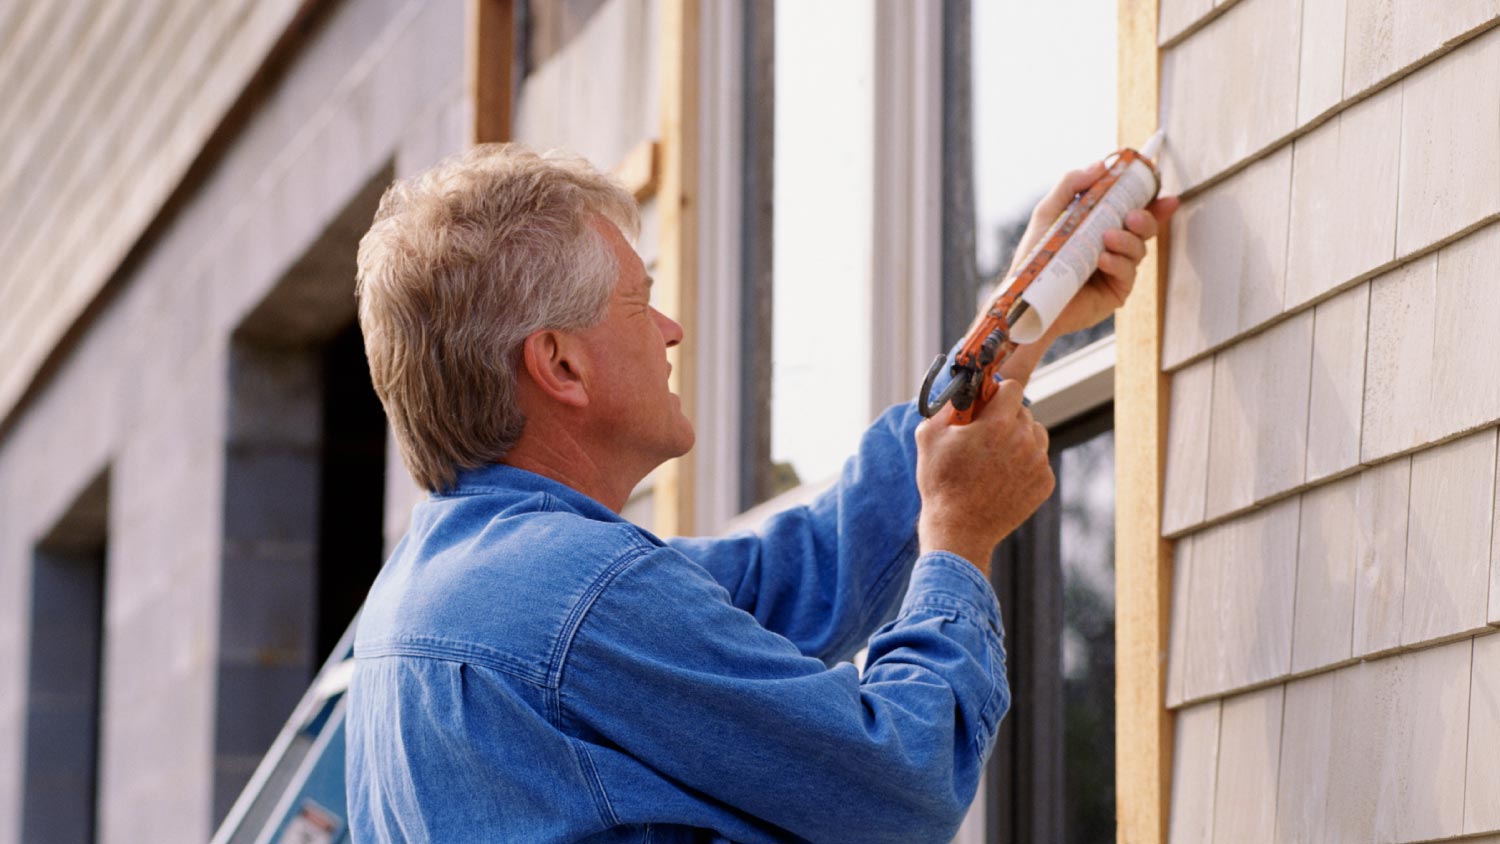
[(296, 795)]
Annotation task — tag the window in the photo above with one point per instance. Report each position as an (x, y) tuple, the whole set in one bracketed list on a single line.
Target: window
[(1039, 108), (824, 173), (1021, 107), (840, 207), (1052, 775), (907, 94)]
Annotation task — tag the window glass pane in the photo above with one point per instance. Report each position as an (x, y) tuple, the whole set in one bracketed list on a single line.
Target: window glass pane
[(1052, 775), (1086, 487), (823, 182), (1043, 78)]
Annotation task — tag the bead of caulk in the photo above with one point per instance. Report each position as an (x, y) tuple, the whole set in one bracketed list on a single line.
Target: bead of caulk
[(1153, 145)]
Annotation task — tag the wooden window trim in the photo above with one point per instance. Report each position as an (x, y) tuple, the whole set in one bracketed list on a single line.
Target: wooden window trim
[(490, 69), (676, 264), (1143, 560)]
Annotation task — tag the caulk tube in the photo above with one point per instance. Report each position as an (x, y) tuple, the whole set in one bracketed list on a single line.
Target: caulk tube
[(1066, 272)]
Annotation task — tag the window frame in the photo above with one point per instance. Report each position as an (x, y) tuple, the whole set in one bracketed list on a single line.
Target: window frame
[(1072, 395), (917, 299), (906, 245)]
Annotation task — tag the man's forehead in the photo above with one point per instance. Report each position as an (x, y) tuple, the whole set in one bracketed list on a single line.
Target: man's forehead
[(635, 285)]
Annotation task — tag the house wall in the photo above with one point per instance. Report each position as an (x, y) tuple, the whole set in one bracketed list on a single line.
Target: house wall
[(107, 104), (145, 392), (1329, 335)]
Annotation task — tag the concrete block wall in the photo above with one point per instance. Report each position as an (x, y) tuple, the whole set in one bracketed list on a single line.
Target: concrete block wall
[(145, 394), (1332, 444)]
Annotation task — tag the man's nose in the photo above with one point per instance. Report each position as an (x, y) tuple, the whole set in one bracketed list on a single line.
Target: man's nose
[(671, 331)]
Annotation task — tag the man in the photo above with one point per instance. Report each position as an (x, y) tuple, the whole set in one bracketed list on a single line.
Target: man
[(531, 667)]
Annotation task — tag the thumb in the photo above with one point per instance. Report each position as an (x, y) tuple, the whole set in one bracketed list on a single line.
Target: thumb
[(1070, 185)]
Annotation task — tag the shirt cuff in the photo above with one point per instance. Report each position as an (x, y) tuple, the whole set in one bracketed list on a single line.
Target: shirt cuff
[(944, 579)]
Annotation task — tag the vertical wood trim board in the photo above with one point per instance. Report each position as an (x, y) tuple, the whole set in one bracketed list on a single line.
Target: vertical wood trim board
[(676, 195), (490, 61), (1143, 561)]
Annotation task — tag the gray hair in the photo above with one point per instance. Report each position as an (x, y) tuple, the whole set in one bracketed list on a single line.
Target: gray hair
[(463, 262)]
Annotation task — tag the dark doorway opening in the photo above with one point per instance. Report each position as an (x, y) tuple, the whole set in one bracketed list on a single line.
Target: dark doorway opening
[(64, 674), (351, 503), (304, 496)]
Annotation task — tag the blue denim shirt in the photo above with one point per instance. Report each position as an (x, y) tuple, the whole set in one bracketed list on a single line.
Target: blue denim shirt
[(533, 668)]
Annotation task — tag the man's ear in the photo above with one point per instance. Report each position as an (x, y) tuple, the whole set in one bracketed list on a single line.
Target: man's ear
[(550, 358)]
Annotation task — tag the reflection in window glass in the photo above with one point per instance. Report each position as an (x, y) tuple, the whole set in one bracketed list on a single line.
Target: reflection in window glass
[(1043, 104), (820, 392), (1086, 488), (1052, 775)]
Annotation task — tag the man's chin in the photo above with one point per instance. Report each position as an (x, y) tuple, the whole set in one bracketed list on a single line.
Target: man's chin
[(688, 439)]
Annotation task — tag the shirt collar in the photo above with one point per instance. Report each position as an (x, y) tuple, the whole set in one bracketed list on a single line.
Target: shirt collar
[(499, 477)]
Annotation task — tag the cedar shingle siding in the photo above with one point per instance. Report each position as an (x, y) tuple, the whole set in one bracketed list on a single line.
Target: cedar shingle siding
[(1331, 472)]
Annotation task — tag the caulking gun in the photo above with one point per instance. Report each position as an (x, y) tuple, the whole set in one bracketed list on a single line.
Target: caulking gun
[(1033, 296)]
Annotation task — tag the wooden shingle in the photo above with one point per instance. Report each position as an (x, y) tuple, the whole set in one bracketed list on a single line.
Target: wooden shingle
[(1228, 259), (1448, 539), (1240, 597), (1380, 564), (1398, 372), (1343, 210), (1306, 759), (1195, 764), (1258, 422), (1335, 405), (1482, 779), (1327, 550), (1320, 82), (1447, 117), (1465, 356), (1249, 756), (1187, 447), (1229, 89)]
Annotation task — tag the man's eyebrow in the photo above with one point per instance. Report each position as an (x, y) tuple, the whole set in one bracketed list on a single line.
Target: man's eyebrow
[(649, 281)]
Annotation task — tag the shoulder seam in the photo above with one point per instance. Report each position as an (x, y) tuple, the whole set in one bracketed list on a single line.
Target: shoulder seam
[(580, 609)]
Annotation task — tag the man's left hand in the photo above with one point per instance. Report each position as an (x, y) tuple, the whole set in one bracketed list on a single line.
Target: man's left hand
[(1106, 289)]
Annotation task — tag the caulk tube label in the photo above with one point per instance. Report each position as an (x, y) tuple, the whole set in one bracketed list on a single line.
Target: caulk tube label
[(1063, 276)]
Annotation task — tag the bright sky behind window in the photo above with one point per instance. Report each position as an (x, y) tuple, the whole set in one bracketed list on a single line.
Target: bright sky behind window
[(1044, 101)]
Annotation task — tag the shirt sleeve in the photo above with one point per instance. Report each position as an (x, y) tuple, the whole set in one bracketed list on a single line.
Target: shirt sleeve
[(683, 694), (827, 574)]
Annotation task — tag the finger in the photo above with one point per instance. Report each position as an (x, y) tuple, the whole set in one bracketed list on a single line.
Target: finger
[(1007, 398), (1118, 267), (929, 427), (1049, 484), (1126, 244), (1142, 224), (1053, 204), (1163, 209), (1043, 438)]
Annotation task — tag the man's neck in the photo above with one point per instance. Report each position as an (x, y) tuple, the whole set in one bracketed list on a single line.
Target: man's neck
[(565, 460)]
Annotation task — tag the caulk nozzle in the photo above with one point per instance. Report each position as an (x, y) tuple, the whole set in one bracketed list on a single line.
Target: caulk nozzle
[(1153, 146)]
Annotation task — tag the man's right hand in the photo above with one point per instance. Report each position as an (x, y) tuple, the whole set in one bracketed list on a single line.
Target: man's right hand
[(980, 481)]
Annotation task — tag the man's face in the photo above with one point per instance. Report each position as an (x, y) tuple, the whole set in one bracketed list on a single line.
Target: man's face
[(628, 357)]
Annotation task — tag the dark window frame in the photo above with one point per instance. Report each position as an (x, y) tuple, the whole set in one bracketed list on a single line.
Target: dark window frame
[(1027, 776)]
